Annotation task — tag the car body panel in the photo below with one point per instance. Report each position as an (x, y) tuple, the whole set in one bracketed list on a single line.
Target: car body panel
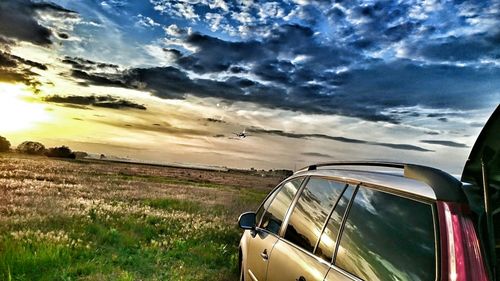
[(287, 262), (337, 274), (257, 243)]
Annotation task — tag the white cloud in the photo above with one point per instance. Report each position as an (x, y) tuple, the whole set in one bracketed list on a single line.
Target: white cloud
[(144, 21), (214, 20), (214, 4), (184, 10), (174, 30), (243, 17), (271, 10)]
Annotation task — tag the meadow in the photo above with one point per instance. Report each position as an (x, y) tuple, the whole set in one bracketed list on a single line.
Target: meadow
[(92, 220)]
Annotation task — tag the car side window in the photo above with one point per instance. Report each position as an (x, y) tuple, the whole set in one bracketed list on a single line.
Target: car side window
[(311, 211), (265, 205), (275, 213), (388, 237), (328, 240)]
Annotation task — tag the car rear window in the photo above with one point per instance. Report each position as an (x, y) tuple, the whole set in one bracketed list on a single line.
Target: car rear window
[(387, 237), (275, 213), (311, 212)]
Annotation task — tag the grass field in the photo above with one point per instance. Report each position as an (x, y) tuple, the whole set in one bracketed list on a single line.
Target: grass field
[(83, 220)]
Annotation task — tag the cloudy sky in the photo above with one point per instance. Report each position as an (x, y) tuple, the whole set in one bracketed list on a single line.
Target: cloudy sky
[(309, 81)]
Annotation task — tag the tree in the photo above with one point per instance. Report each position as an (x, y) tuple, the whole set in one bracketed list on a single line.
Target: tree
[(60, 152), (31, 147), (4, 144)]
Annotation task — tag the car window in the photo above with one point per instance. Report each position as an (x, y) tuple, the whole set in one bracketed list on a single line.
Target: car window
[(274, 214), (387, 237), (265, 205), (326, 245), (311, 211)]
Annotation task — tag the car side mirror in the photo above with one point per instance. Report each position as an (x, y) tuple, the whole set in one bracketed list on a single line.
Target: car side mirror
[(247, 220)]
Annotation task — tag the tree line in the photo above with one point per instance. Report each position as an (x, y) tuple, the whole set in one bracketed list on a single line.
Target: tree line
[(37, 148)]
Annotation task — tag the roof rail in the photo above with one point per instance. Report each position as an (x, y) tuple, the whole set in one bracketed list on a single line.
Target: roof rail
[(355, 163), (444, 185)]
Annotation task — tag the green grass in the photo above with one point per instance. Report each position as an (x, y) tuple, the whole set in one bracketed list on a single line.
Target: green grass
[(174, 204), (88, 222), (122, 248), (166, 180)]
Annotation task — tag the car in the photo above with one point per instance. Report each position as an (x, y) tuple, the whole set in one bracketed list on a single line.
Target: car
[(379, 221)]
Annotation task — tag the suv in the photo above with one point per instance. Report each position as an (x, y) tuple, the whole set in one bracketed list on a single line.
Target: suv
[(379, 221)]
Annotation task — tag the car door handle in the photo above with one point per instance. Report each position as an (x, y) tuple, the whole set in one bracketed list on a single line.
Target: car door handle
[(301, 278), (264, 255)]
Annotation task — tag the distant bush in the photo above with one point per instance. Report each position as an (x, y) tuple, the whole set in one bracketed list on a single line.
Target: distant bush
[(60, 152), (80, 154), (4, 144), (31, 147)]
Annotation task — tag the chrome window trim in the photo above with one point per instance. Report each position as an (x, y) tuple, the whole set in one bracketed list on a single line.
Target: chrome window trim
[(437, 241), (329, 216), (272, 192), (284, 225), (345, 273), (342, 225)]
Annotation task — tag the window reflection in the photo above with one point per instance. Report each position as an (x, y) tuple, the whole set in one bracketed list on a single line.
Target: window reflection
[(311, 211), (274, 215), (387, 237), (328, 238)]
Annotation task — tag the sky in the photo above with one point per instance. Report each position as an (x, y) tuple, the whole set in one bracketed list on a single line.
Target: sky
[(308, 80)]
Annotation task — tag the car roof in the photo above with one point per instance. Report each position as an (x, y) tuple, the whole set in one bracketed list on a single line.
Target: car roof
[(407, 179)]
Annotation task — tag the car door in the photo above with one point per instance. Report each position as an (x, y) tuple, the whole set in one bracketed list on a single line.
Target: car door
[(482, 173), (264, 237), (294, 256)]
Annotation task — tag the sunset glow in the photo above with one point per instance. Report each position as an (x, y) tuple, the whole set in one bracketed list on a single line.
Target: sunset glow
[(17, 112)]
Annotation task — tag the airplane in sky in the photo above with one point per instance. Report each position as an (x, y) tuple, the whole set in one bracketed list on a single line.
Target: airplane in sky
[(242, 135)]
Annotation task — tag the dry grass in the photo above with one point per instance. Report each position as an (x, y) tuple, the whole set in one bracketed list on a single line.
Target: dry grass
[(83, 220)]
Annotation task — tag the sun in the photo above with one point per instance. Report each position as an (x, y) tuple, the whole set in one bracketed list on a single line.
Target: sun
[(17, 112)]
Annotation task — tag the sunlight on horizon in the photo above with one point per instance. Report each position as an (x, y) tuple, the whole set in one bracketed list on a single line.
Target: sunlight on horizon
[(17, 113)]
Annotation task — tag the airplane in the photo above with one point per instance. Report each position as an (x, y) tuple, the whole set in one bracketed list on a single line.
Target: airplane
[(242, 135)]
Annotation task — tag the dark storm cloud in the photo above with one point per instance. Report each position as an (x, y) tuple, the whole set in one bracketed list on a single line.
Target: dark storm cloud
[(445, 143), (18, 20), (434, 86), (362, 93), (464, 48), (215, 120), (339, 70), (85, 64), (98, 79), (215, 55), (14, 69), (165, 128), (97, 101), (12, 61), (24, 76), (316, 154), (339, 139)]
